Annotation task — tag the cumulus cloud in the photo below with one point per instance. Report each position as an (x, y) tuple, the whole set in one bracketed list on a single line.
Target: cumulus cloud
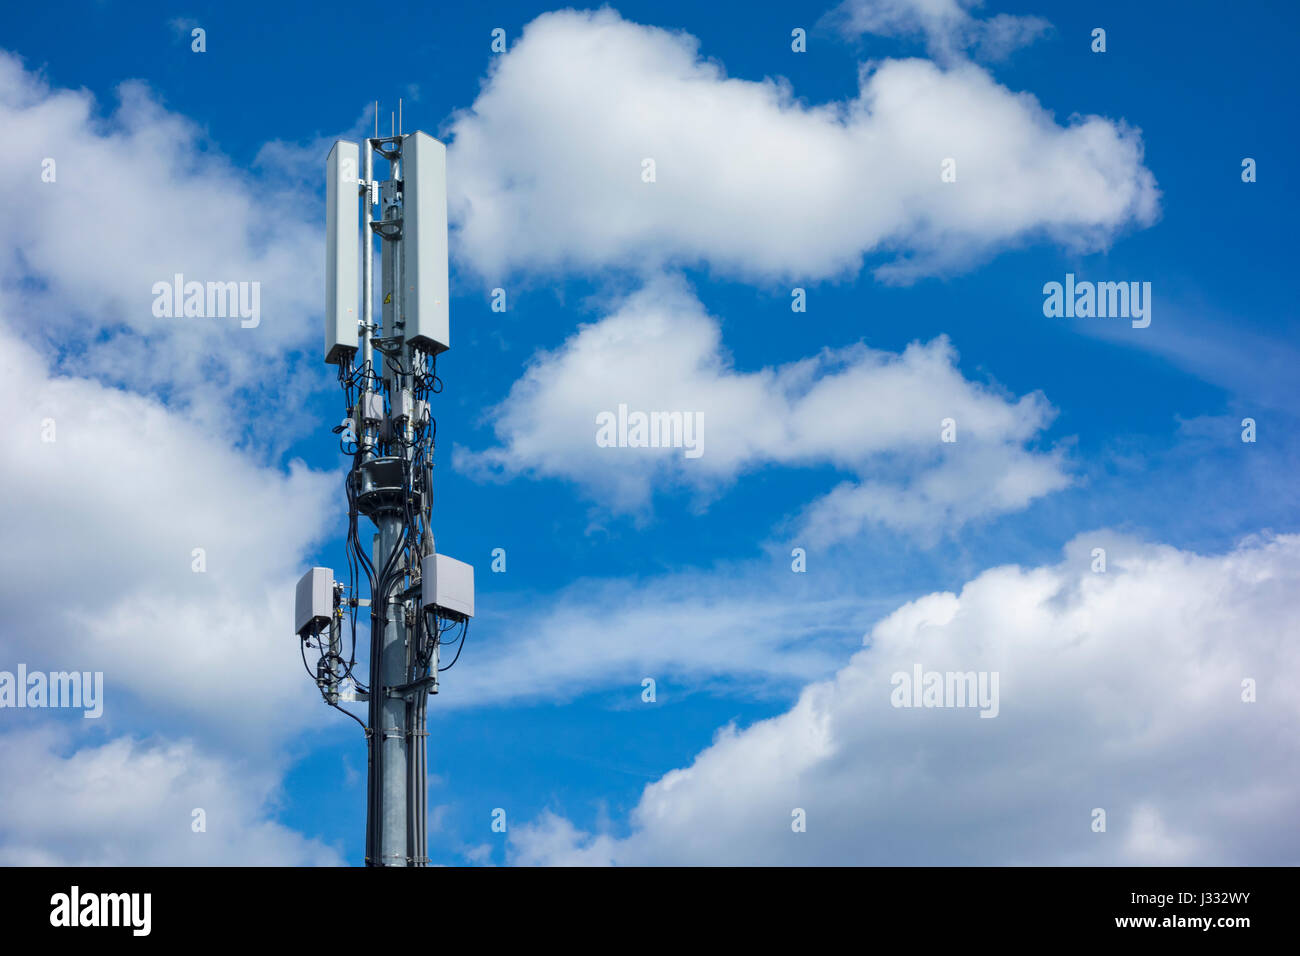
[(858, 409), (107, 496), (1120, 691), (131, 802), (123, 434), (546, 167), (985, 479), (101, 206), (946, 25)]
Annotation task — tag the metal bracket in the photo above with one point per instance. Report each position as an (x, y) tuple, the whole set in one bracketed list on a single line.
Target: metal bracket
[(408, 691), (371, 188), (380, 228), (378, 146)]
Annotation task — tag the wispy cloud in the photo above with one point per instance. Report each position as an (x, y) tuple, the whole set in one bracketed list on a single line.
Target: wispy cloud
[(947, 26)]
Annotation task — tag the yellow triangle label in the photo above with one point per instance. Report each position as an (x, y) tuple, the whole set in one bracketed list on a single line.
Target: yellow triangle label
[(388, 298)]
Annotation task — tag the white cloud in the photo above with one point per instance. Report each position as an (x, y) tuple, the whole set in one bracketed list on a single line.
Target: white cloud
[(182, 27), (1119, 690), (101, 524), (864, 411), (546, 167), (946, 25), (760, 632), (983, 480), (131, 802), (139, 195)]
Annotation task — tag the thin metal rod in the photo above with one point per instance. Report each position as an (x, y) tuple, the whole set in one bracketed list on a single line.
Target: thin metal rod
[(374, 797), (367, 285)]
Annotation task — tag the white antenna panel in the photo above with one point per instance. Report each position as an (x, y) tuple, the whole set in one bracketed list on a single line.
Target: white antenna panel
[(342, 250), (424, 241)]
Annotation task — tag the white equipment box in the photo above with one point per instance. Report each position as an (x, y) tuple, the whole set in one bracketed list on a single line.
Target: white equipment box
[(448, 585), (315, 600)]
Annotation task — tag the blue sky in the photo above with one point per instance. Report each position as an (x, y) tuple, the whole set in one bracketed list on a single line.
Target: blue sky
[(686, 577)]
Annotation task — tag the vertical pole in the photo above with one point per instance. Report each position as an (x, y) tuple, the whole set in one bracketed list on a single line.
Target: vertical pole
[(367, 287), (335, 643), (367, 452), (374, 850), (392, 732), (375, 775), (393, 669)]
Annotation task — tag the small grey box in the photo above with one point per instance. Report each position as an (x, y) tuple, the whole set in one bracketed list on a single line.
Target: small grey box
[(405, 405), (315, 600), (447, 584), (372, 407)]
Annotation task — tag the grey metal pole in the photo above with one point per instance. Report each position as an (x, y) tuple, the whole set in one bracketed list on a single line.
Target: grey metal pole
[(392, 731), (367, 286)]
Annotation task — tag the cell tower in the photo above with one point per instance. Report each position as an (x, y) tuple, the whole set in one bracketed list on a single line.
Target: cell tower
[(419, 600)]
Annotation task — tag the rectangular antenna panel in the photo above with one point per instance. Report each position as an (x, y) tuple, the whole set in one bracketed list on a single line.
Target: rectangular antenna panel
[(342, 251), (315, 600), (447, 584), (425, 289)]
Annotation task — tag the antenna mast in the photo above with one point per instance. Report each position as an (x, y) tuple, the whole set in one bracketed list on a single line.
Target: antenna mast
[(419, 600)]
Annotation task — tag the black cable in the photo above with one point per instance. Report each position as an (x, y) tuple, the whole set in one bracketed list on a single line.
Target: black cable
[(464, 633), (354, 717), (302, 646)]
